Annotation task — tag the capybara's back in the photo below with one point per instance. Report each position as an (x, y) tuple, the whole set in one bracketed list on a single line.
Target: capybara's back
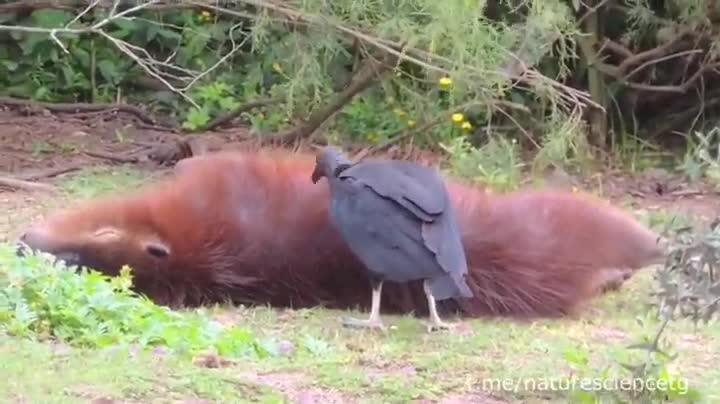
[(544, 251)]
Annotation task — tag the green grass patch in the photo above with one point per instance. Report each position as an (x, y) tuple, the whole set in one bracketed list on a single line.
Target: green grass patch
[(55, 373)]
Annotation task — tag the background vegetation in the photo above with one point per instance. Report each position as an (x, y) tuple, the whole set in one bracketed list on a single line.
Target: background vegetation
[(555, 81)]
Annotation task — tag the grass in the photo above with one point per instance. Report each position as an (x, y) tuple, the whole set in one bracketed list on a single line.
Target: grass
[(49, 373), (314, 357)]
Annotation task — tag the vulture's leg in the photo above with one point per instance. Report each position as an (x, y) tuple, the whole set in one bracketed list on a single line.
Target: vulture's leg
[(435, 322), (374, 320)]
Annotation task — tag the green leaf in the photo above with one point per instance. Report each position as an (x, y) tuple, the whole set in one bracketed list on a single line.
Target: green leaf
[(108, 71), (10, 65), (68, 74), (169, 34), (32, 42), (82, 56), (315, 346), (151, 32), (197, 118), (228, 103), (49, 18)]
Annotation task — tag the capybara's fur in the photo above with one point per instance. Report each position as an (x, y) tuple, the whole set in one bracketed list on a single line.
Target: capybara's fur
[(252, 228)]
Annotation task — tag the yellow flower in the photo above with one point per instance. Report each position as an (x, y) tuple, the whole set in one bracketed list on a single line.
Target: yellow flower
[(277, 68), (445, 82), (411, 123), (466, 125), (458, 117), (399, 112), (205, 15)]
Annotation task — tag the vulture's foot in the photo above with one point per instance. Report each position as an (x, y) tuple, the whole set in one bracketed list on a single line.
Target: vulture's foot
[(437, 325)]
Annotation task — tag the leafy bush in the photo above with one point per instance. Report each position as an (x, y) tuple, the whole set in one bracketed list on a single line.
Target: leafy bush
[(641, 372), (39, 299), (496, 164), (220, 56), (687, 285)]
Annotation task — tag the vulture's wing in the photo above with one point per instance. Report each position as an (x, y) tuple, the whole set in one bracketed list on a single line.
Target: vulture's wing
[(421, 192), (418, 189)]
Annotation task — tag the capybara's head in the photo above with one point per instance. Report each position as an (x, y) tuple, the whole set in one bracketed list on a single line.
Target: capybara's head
[(99, 236)]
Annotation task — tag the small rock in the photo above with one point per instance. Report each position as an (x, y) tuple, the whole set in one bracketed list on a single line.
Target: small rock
[(286, 348), (103, 400), (159, 350)]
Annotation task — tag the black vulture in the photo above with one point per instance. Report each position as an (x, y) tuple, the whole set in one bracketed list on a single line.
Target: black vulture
[(396, 217)]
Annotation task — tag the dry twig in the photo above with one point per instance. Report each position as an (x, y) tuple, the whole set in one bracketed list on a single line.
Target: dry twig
[(113, 157), (14, 183)]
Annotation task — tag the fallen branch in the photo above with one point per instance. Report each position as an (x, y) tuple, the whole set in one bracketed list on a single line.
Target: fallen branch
[(73, 108), (14, 183), (51, 172), (674, 47), (650, 54)]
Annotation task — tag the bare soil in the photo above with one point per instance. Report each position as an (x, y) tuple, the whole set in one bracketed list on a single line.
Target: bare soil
[(43, 141)]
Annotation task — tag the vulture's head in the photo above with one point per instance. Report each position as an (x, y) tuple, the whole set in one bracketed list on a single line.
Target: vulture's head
[(329, 162)]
